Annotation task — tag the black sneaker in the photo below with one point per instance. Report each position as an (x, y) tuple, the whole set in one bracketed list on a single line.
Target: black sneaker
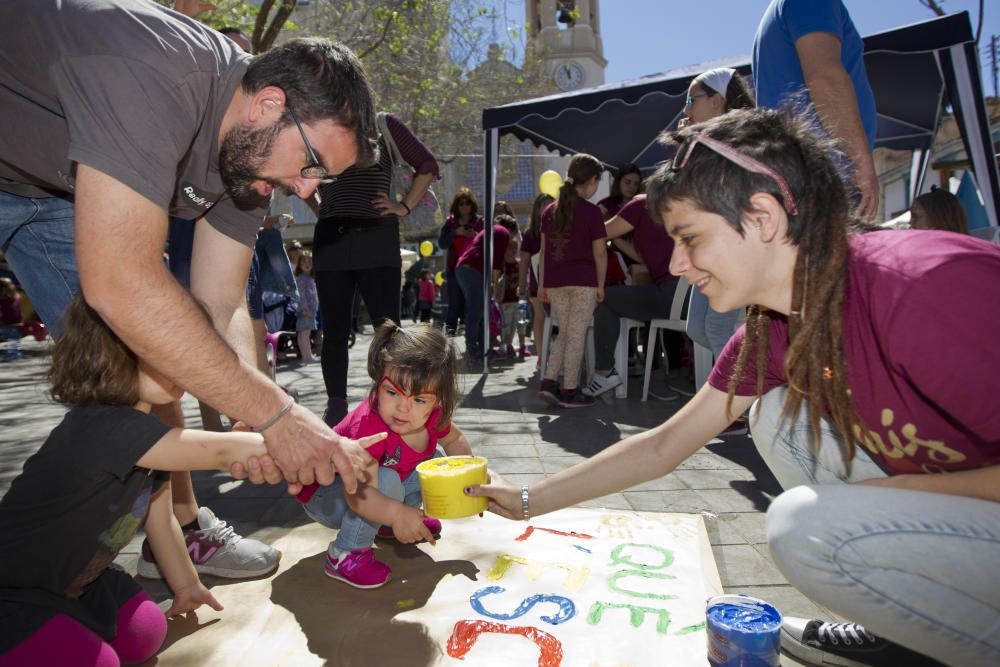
[(549, 391), (574, 398), (844, 644), (738, 427)]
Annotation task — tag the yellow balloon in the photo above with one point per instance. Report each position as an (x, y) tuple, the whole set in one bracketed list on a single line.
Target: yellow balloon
[(426, 248), (439, 279), (549, 182)]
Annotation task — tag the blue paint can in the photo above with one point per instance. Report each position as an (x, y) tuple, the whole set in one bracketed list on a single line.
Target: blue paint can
[(742, 632)]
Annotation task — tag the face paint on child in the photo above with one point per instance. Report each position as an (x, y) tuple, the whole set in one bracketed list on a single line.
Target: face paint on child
[(403, 412)]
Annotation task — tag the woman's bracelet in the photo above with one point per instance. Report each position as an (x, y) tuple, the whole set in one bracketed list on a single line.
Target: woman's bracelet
[(406, 207), (273, 420), (525, 509)]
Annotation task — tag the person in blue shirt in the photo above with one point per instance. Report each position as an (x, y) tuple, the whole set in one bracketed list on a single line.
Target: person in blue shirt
[(813, 46)]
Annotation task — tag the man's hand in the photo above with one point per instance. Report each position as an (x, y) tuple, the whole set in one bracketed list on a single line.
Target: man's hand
[(306, 450), (192, 597), (600, 294), (193, 8), (867, 183)]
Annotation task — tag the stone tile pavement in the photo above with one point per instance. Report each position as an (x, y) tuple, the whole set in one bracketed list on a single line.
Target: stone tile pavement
[(525, 440)]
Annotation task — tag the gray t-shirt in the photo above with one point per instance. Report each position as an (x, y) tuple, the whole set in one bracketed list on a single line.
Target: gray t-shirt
[(127, 87)]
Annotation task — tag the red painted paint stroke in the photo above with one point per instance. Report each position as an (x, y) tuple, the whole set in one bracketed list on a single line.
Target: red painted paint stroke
[(530, 529), (465, 634)]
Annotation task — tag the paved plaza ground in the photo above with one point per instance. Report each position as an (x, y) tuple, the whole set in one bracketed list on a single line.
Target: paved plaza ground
[(525, 440)]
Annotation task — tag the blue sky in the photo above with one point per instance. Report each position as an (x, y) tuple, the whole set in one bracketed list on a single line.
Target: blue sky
[(647, 36)]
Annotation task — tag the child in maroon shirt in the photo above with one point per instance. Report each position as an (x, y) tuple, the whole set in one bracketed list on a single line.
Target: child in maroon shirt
[(573, 266)]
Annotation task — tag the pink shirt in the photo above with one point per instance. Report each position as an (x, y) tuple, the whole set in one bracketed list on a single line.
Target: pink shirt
[(920, 323), (391, 452), (569, 255)]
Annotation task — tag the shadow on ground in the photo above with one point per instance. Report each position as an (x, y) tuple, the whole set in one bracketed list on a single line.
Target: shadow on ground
[(350, 627)]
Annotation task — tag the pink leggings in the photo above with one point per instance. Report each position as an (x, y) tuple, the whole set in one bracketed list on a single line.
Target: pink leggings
[(142, 628)]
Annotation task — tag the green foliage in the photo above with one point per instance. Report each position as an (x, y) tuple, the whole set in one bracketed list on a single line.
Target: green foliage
[(433, 63)]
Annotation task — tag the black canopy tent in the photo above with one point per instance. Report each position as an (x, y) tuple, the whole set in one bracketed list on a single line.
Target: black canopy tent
[(914, 71)]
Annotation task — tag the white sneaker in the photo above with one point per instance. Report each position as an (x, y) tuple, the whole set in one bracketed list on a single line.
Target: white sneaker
[(215, 548), (599, 384)]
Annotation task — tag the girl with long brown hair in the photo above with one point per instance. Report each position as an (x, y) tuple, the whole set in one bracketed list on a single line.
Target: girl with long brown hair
[(571, 276), (873, 363)]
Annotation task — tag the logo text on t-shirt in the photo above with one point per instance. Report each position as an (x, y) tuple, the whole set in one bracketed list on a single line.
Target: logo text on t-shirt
[(198, 198)]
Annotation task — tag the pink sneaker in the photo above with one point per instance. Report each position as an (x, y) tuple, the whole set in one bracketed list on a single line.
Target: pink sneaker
[(359, 568), (433, 525)]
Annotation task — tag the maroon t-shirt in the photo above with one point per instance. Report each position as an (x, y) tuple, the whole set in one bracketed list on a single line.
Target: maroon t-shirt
[(920, 325), (651, 240), (510, 270), (473, 255), (569, 256), (609, 207), (459, 243), (531, 243)]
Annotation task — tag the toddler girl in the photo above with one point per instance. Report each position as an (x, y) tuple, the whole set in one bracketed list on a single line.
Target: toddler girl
[(413, 395), (81, 497), (305, 314)]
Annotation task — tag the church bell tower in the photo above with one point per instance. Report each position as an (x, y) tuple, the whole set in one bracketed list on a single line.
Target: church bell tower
[(566, 36)]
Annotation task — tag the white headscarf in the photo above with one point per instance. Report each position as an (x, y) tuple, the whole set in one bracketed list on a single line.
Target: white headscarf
[(717, 79)]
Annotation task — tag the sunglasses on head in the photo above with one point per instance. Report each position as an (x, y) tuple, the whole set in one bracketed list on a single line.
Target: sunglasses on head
[(738, 158)]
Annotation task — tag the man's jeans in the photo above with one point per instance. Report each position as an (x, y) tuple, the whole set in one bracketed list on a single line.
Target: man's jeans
[(37, 237), (707, 327), (917, 568)]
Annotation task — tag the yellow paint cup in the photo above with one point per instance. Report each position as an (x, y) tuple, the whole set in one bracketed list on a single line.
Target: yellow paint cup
[(442, 481)]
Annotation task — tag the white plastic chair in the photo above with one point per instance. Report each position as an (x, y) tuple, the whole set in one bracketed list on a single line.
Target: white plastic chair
[(589, 353), (674, 322), (621, 353)]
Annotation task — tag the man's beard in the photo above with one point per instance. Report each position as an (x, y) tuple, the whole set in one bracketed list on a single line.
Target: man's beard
[(244, 151)]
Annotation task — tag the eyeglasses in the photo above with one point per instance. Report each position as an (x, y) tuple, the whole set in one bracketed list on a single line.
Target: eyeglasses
[(736, 157), (425, 396), (315, 168), (689, 100)]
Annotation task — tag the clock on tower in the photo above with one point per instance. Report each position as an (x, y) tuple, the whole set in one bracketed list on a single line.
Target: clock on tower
[(569, 75)]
